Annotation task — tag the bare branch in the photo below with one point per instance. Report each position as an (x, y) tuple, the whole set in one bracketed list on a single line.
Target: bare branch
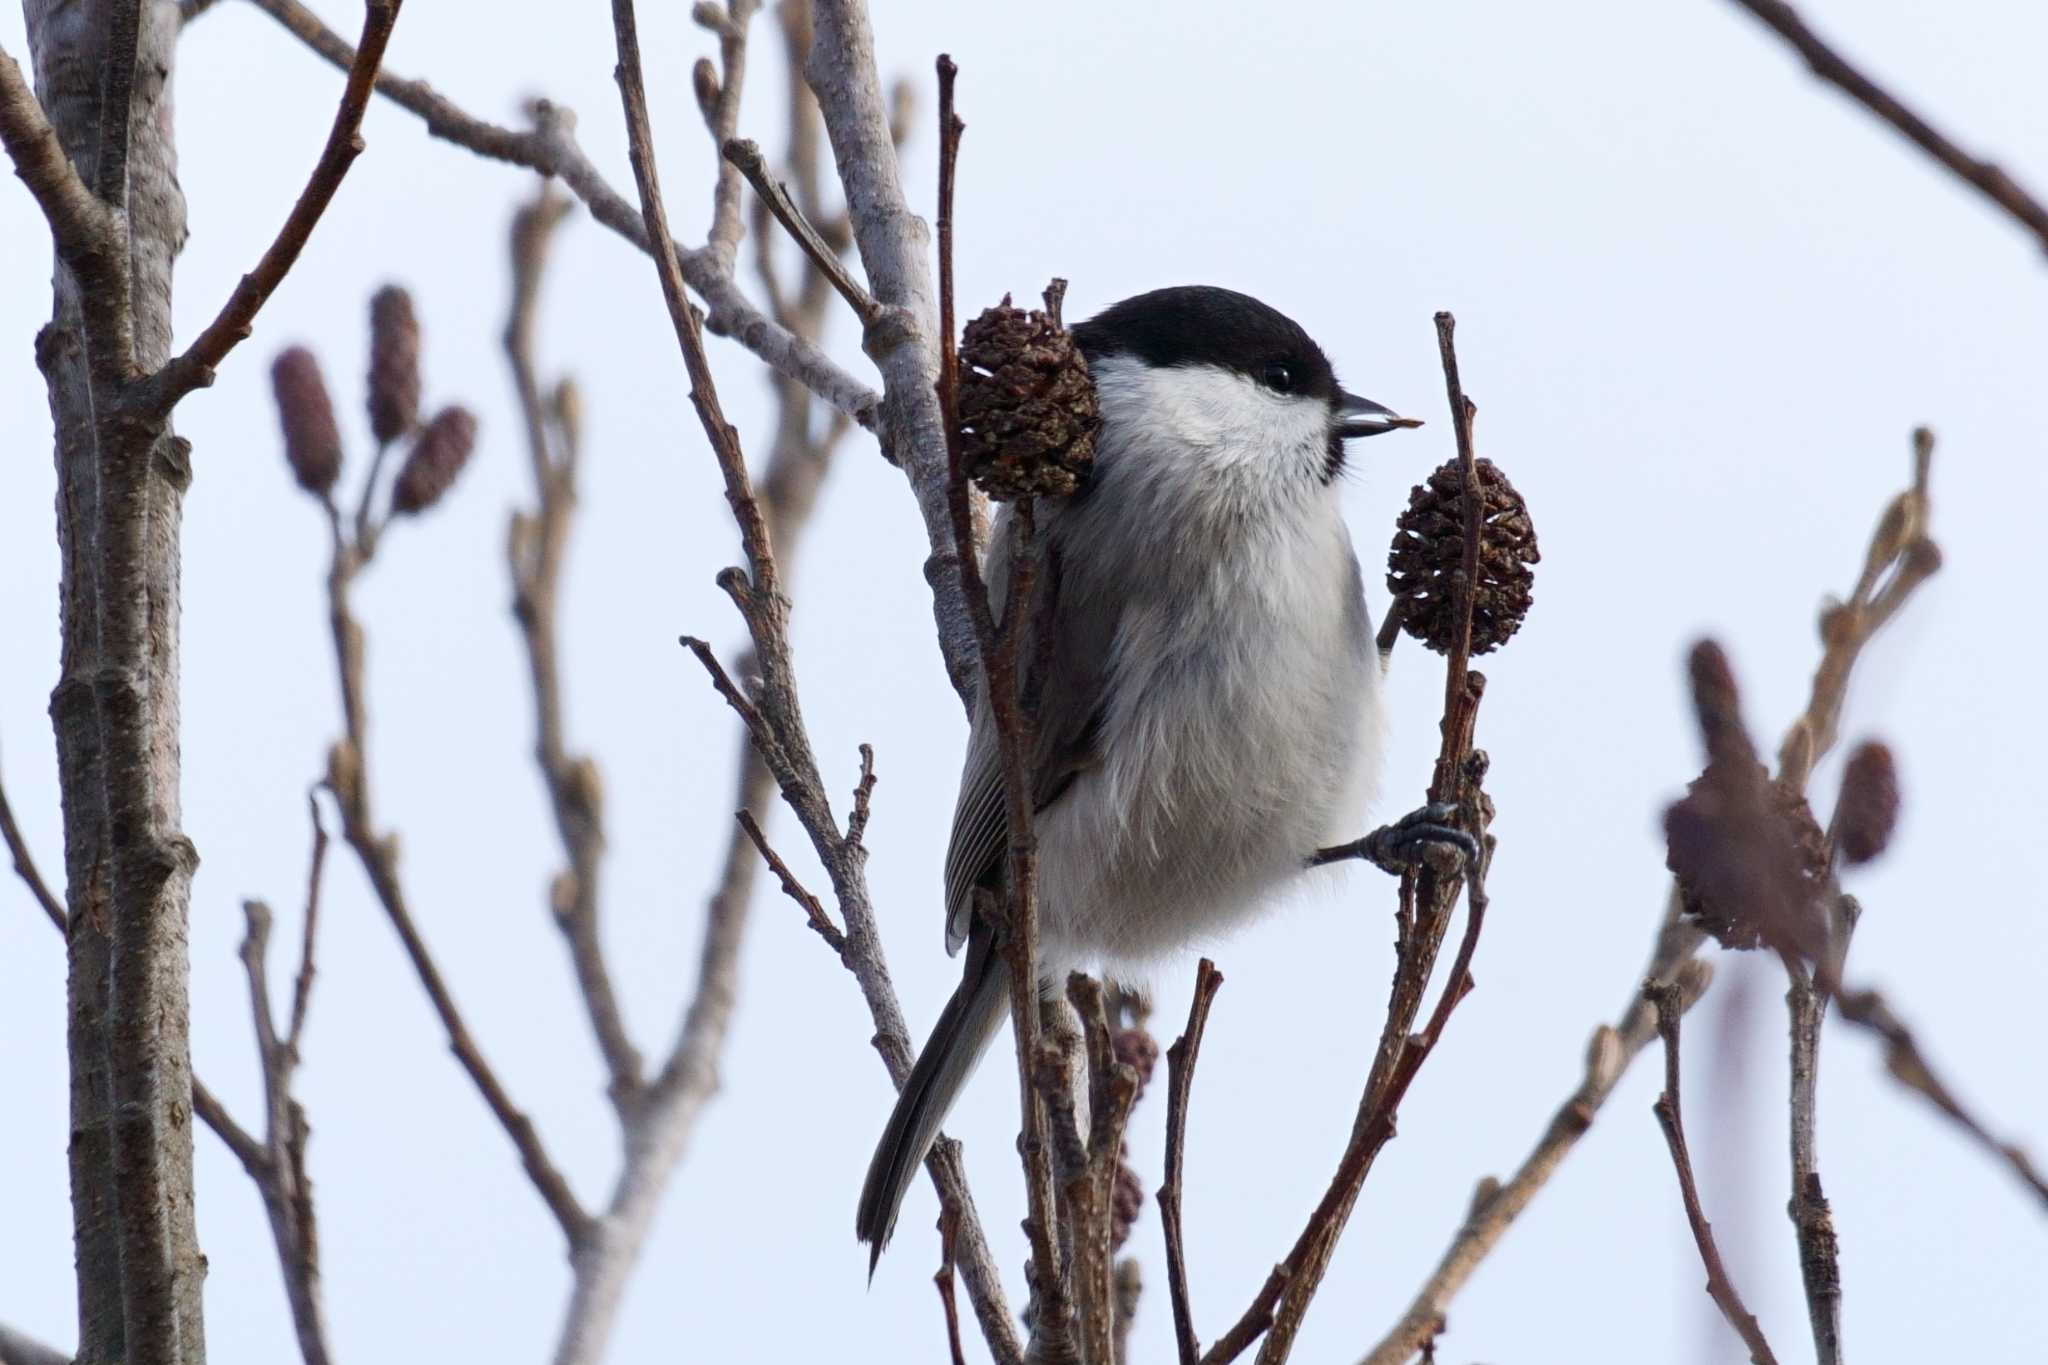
[(348, 780), (536, 547), (813, 911), (747, 157), (25, 865), (1663, 996), (1900, 557), (1813, 1222), (19, 1349), (948, 1228), (1428, 897), (1892, 569), (723, 118), (82, 226), (778, 729), (194, 369), (1180, 1079), (551, 148), (1830, 66), (1910, 1068), (1496, 1206), (894, 245)]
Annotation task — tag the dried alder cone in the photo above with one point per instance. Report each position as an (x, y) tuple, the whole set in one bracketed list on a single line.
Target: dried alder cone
[(1751, 863), (1028, 414), (312, 441), (437, 458), (1749, 857), (394, 378), (1867, 811), (1429, 550)]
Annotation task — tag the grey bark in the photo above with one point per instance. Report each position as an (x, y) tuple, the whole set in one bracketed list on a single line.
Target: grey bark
[(895, 247), (120, 481)]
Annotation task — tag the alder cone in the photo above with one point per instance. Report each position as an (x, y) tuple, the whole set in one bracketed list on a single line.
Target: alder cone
[(1028, 413), (394, 380), (305, 414), (437, 457), (1429, 549)]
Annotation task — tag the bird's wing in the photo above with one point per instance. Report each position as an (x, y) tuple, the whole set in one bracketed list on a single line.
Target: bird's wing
[(1067, 642)]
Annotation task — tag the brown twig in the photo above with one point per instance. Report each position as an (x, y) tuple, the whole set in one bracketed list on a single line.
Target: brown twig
[(744, 155), (81, 225), (25, 865), (1900, 557), (1180, 1080), (195, 367), (776, 723), (1813, 1221), (1890, 573), (277, 1163), (550, 148), (1496, 1206), (1909, 1067), (1427, 898), (348, 780), (1001, 691), (1089, 1193), (536, 548), (1830, 66), (948, 1227), (814, 912), (86, 233), (1663, 997)]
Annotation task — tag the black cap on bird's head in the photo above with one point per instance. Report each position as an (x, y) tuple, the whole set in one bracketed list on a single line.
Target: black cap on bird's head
[(1204, 325)]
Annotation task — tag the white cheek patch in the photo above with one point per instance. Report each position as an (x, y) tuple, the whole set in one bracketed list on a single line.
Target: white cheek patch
[(1218, 419)]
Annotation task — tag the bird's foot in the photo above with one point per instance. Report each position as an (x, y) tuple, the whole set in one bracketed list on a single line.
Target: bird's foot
[(1408, 843)]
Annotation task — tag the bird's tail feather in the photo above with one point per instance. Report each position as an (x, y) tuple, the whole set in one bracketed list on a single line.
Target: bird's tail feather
[(962, 1034)]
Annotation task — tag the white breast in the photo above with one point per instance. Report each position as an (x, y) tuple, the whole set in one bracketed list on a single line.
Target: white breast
[(1242, 731)]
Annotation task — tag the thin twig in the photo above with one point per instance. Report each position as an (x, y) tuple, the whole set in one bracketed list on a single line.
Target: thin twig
[(1830, 66), (80, 224), (195, 368), (744, 155), (25, 865), (348, 780), (1494, 1209), (895, 253), (537, 547), (1180, 1079), (302, 982), (1892, 570), (1427, 897), (955, 1350), (785, 746), (277, 1163), (813, 910), (551, 149), (1001, 688), (1663, 996), (1813, 1221), (1089, 1194), (1909, 1067)]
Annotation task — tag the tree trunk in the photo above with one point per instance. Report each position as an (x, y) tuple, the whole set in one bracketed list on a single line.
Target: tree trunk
[(120, 479)]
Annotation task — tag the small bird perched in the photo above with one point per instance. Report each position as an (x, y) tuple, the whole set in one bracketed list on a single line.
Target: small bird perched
[(1210, 715)]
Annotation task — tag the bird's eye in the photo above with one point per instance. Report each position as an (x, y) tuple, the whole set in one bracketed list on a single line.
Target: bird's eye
[(1279, 378)]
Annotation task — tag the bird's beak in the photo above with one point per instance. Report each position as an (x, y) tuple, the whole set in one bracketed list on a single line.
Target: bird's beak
[(1362, 417)]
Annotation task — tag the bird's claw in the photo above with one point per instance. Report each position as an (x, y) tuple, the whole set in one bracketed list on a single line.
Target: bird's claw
[(1405, 845)]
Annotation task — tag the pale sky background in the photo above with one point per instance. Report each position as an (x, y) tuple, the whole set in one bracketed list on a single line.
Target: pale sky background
[(1702, 301)]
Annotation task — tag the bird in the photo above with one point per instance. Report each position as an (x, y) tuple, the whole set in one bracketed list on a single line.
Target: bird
[(1209, 714)]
